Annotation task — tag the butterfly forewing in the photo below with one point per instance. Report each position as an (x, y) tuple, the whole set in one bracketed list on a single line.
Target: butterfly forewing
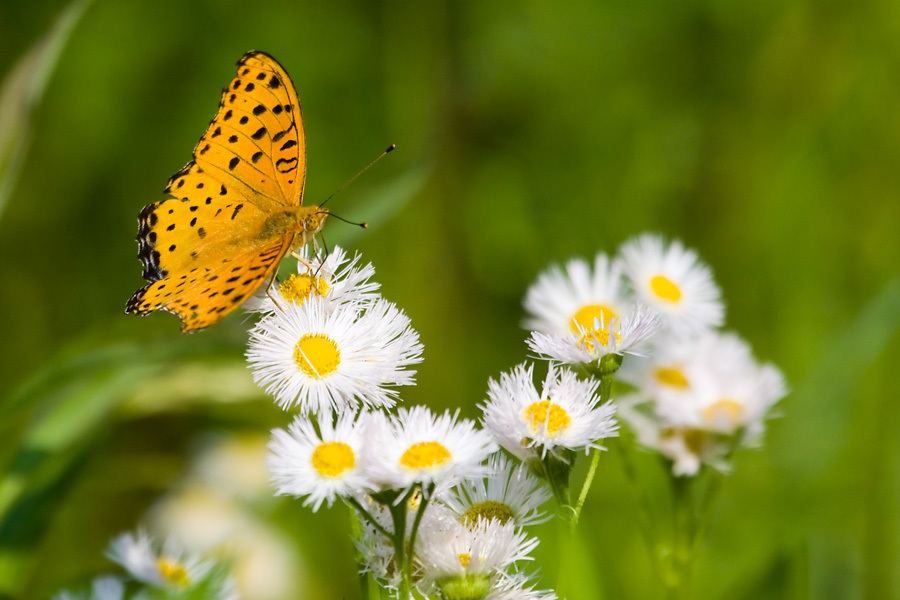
[(255, 143)]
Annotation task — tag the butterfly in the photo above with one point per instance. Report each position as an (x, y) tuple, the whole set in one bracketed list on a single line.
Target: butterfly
[(237, 207)]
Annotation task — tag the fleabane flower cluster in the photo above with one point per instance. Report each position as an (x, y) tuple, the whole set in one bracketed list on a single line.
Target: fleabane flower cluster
[(152, 571), (699, 393), (471, 538), (439, 510), (579, 315)]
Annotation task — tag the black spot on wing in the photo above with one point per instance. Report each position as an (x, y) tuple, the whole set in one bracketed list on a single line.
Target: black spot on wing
[(286, 165)]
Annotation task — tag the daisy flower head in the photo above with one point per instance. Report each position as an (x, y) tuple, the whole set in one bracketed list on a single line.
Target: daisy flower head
[(565, 414), (686, 447), (417, 447), (714, 399), (322, 358), (669, 369), (562, 302), (674, 281), (509, 493), (621, 335), (725, 390), (455, 554), (319, 465), (169, 568), (337, 277)]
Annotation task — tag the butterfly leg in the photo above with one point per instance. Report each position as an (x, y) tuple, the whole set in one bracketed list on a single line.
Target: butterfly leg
[(303, 261), (269, 290)]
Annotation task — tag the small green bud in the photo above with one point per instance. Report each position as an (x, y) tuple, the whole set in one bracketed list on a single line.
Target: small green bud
[(465, 587)]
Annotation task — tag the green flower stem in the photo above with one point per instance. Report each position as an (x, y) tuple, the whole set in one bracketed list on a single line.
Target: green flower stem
[(644, 512), (398, 514), (684, 543), (589, 478), (426, 497), (605, 369)]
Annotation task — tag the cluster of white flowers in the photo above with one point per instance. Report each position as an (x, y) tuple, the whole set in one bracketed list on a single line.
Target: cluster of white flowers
[(166, 572), (471, 537), (699, 393), (440, 510)]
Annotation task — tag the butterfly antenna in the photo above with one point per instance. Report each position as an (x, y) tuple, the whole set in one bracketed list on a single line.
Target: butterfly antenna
[(321, 260), (352, 179), (339, 218)]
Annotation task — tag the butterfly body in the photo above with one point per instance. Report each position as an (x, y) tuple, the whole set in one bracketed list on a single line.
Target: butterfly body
[(237, 206)]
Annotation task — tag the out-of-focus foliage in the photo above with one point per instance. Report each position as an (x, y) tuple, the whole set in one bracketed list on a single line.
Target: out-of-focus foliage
[(764, 134)]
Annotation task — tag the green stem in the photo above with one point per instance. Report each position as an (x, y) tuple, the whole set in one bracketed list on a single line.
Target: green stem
[(684, 537), (589, 478), (606, 373), (644, 512), (426, 496), (398, 515)]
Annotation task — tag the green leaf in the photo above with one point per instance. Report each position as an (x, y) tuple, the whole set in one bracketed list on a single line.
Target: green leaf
[(22, 90)]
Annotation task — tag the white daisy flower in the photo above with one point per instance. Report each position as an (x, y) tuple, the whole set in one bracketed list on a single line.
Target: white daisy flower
[(169, 568), (567, 302), (713, 398), (688, 448), (417, 447), (485, 548), (319, 466), (510, 493), (674, 281), (337, 278), (622, 335), (565, 413), (668, 369), (323, 358), (716, 385)]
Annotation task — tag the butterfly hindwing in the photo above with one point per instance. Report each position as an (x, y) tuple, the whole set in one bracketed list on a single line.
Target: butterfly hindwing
[(203, 295)]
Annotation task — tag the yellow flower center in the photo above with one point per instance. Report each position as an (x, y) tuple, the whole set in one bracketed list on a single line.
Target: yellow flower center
[(586, 315), (317, 355), (425, 455), (725, 412), (297, 288), (173, 571), (546, 416), (694, 439), (330, 459), (665, 288), (672, 376), (488, 509), (465, 559)]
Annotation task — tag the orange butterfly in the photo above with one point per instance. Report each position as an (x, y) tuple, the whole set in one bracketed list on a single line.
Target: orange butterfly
[(237, 208)]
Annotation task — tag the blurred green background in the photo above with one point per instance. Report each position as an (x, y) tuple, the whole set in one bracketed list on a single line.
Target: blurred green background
[(764, 134)]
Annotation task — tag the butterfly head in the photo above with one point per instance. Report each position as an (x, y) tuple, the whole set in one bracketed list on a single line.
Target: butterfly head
[(310, 221)]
